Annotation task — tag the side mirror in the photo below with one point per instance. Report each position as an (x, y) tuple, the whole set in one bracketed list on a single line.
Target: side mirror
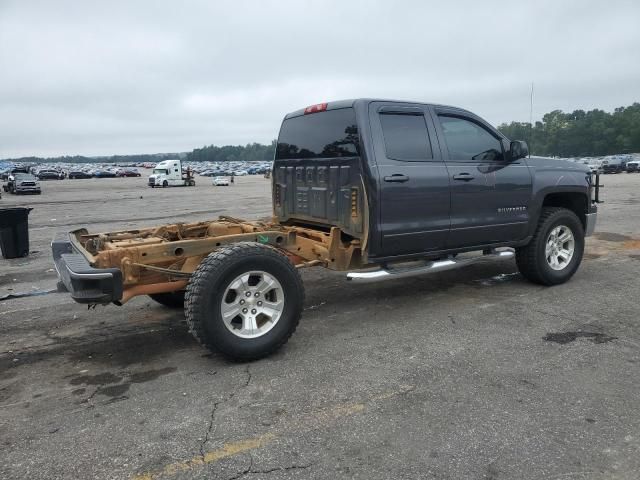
[(518, 149)]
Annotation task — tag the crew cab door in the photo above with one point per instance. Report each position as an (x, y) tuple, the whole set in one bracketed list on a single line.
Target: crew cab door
[(413, 180), (490, 195)]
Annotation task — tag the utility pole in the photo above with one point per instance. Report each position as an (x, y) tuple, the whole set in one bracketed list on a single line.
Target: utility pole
[(531, 120)]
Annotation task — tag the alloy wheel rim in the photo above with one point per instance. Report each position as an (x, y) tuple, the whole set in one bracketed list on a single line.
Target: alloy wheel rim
[(252, 304), (560, 247)]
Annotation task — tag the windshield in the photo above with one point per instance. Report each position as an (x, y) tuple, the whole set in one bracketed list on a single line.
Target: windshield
[(24, 177), (160, 171), (333, 133)]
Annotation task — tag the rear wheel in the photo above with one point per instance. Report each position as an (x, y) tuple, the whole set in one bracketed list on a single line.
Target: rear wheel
[(244, 300), (555, 251), (171, 299)]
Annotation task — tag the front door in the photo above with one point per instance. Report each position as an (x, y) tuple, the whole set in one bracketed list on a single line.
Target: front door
[(413, 180), (489, 195)]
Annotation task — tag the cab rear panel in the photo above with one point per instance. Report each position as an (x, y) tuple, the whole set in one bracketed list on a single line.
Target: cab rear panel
[(317, 177)]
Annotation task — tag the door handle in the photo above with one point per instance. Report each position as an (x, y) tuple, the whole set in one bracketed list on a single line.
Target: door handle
[(465, 177), (396, 177)]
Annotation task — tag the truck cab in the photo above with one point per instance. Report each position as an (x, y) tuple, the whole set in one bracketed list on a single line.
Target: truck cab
[(168, 173)]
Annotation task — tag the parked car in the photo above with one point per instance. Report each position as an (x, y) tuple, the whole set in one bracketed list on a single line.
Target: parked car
[(127, 172), (613, 165), (104, 174), (220, 181), (79, 174), (633, 166), (50, 175), (23, 183), (7, 173)]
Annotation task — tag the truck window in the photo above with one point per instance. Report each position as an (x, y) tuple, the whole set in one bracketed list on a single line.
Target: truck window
[(333, 133), (406, 137), (467, 140)]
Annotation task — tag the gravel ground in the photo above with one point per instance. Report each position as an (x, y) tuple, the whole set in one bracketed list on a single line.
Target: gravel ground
[(467, 374)]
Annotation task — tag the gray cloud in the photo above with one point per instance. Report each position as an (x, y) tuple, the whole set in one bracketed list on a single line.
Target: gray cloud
[(123, 77)]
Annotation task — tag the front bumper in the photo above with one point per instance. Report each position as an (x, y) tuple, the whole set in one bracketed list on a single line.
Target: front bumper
[(85, 283)]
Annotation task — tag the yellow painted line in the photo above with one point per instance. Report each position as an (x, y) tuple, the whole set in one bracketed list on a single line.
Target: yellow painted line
[(241, 446), (228, 450)]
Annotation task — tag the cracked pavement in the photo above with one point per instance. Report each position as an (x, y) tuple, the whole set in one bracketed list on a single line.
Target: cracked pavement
[(467, 374)]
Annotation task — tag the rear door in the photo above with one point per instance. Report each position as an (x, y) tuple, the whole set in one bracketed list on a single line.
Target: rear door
[(413, 179), (489, 195)]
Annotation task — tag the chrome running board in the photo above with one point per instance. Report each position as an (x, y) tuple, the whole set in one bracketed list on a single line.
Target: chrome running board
[(429, 267)]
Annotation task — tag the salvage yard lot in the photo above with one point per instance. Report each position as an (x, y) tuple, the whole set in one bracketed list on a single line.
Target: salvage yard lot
[(473, 373)]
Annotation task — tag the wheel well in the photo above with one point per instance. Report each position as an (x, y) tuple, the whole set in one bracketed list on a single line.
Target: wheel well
[(576, 202)]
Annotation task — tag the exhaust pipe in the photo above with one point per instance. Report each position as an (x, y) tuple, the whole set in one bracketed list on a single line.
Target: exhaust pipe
[(429, 267)]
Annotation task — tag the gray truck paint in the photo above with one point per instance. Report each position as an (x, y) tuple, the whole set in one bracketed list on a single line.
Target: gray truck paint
[(443, 205)]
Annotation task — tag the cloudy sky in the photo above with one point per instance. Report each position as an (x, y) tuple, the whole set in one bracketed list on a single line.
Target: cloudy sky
[(107, 77)]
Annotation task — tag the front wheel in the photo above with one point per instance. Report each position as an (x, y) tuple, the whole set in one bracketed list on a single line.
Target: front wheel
[(165, 184), (244, 300), (555, 251)]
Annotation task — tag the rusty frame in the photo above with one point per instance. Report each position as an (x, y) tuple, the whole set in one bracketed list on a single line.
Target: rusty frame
[(161, 259)]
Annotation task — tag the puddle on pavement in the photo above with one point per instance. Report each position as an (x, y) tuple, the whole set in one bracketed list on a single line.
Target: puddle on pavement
[(109, 384), (32, 293), (567, 337), (497, 279), (628, 242), (99, 379), (135, 347), (114, 390), (612, 237), (149, 375)]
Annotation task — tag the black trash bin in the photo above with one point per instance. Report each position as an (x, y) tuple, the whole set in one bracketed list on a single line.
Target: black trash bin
[(14, 232)]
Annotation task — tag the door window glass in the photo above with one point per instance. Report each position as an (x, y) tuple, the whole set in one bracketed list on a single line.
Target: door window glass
[(406, 137), (467, 140)]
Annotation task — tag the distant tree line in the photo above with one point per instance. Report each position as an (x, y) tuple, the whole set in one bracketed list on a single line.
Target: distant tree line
[(580, 133), (229, 153)]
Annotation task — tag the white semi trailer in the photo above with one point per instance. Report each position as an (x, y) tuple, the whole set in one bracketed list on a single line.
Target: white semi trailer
[(168, 173)]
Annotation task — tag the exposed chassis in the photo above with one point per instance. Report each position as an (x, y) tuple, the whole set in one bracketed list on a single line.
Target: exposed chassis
[(115, 267)]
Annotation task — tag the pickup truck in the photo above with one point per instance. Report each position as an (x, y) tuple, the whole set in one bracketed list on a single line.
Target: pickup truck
[(380, 189)]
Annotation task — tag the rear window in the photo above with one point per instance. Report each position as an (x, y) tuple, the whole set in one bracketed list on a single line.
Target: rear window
[(333, 133)]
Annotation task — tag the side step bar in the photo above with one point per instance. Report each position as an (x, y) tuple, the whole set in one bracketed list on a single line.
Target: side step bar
[(429, 267)]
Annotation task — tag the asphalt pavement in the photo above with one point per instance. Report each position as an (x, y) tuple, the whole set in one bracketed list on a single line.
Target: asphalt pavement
[(466, 374)]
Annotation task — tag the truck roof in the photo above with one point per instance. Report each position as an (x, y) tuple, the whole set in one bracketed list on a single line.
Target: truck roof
[(334, 105)]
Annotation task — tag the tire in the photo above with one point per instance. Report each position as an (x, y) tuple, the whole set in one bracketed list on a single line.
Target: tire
[(532, 259), (212, 287), (171, 300), (165, 184)]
